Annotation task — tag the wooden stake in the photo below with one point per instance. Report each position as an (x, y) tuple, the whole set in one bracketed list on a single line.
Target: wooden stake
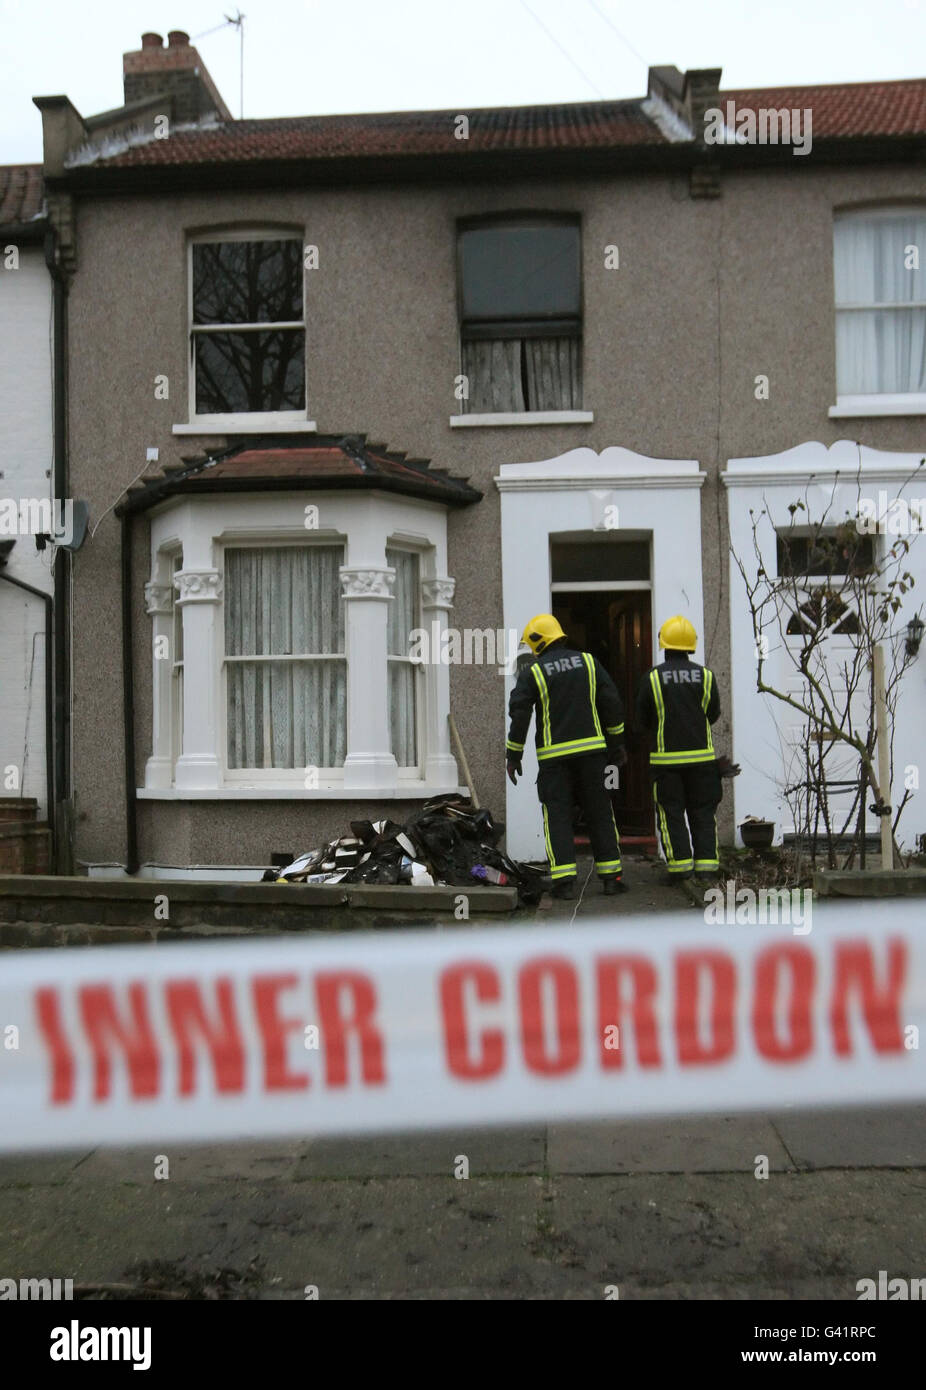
[(884, 759), (458, 742)]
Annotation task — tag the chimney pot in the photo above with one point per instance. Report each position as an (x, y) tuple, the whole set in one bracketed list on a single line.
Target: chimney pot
[(177, 38), (152, 41)]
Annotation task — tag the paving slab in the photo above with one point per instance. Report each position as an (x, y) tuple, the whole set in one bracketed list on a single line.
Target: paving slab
[(889, 1136), (254, 1162), (488, 1151), (793, 1235), (693, 1144), (37, 1169)]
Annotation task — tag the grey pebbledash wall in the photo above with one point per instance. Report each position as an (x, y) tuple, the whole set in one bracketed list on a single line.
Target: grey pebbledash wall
[(710, 293)]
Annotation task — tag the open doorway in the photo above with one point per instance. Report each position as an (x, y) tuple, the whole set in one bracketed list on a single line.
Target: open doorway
[(601, 596)]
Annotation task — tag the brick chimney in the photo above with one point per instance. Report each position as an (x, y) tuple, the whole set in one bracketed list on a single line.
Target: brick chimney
[(174, 71)]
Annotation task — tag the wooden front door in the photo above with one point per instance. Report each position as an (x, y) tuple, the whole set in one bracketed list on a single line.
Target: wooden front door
[(616, 627)]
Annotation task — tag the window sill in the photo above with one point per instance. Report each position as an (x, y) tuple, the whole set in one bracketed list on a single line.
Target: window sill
[(525, 417), (403, 791), (857, 407), (246, 424)]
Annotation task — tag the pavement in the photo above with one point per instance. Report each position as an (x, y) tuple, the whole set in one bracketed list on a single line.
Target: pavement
[(668, 1209)]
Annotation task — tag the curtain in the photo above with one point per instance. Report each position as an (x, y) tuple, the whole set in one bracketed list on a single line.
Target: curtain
[(880, 350), (551, 370), (285, 601), (403, 616), (552, 373), (493, 367)]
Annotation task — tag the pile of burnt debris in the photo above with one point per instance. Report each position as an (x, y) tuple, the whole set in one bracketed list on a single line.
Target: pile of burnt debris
[(448, 842)]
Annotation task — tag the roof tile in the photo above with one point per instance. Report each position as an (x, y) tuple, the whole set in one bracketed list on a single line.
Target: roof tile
[(21, 194)]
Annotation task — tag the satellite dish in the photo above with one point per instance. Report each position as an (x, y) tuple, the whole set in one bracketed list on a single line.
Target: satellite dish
[(72, 536)]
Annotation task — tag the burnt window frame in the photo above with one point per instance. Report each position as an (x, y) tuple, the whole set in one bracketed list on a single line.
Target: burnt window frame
[(489, 329), (263, 419)]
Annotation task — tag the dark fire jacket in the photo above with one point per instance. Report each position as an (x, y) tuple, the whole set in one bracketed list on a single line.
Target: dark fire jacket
[(577, 705), (678, 702)]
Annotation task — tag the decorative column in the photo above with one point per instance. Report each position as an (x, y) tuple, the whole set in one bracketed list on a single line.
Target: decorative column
[(440, 768), (369, 762), (199, 596), (158, 604)]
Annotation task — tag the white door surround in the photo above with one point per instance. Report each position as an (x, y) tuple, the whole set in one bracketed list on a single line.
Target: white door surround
[(582, 491), (831, 479)]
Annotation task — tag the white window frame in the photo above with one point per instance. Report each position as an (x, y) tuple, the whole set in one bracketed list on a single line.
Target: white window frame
[(174, 565), (414, 773), (877, 404), (270, 421)]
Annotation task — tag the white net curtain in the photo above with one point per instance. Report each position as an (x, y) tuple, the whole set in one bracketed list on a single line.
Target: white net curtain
[(880, 304), (285, 665)]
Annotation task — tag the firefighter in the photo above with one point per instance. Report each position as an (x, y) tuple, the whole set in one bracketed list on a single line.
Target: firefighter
[(677, 702), (579, 732)]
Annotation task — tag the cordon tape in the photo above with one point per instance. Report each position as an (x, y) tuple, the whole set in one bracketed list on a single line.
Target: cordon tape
[(355, 1034)]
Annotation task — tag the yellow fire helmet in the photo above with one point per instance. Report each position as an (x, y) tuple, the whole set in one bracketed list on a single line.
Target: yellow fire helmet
[(541, 631), (678, 635)]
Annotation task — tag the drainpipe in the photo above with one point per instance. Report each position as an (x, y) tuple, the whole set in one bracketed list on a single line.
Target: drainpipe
[(49, 686), (58, 753), (128, 702)]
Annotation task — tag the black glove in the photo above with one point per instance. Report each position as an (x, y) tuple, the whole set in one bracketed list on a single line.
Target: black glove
[(726, 768), (513, 766), (617, 752)]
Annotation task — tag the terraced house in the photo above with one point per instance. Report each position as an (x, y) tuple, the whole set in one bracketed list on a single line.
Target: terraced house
[(336, 380)]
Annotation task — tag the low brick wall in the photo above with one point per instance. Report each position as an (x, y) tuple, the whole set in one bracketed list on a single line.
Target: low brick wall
[(58, 911), (24, 848)]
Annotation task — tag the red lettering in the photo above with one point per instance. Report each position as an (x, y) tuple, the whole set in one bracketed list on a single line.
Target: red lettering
[(273, 1031), (491, 1057), (854, 972), (187, 1013), (102, 1023), (335, 1027), (48, 1013), (612, 1006), (691, 967), (566, 993), (766, 1008)]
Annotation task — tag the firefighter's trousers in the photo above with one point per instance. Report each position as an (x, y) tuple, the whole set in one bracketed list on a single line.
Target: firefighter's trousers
[(691, 790), (561, 782)]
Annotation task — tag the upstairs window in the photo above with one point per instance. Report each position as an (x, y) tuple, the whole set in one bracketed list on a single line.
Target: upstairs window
[(247, 330), (521, 315), (881, 302)]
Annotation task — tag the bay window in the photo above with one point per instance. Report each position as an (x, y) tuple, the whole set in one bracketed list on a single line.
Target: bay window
[(292, 650)]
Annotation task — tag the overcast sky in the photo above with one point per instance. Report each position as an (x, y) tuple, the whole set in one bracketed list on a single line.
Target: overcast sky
[(310, 57)]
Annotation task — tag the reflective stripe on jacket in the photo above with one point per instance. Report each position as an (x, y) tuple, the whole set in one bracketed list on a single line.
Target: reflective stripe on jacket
[(576, 702), (678, 702)]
